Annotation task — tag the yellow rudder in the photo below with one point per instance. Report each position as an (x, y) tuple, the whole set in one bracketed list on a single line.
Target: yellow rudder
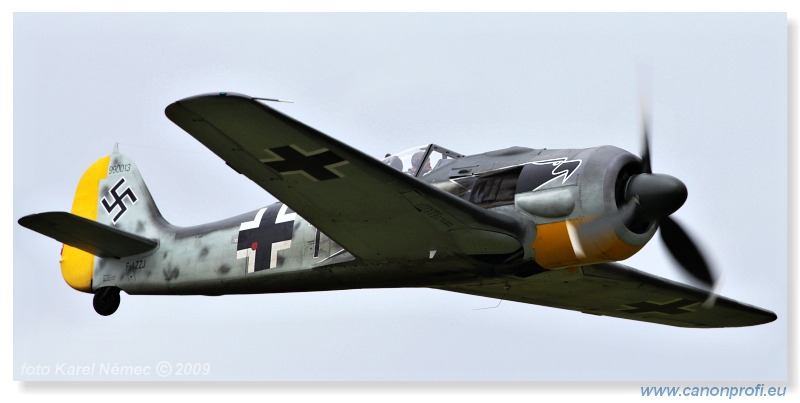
[(77, 266)]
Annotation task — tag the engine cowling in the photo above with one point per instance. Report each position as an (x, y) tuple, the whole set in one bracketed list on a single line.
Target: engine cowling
[(574, 197)]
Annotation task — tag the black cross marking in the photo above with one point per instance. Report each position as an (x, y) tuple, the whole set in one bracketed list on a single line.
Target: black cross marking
[(317, 165), (669, 308), (263, 236), (118, 200)]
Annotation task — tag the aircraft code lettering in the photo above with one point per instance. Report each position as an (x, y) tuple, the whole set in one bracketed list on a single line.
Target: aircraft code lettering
[(115, 169), (135, 265)]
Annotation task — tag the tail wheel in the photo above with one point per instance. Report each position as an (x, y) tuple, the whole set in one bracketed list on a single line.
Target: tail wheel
[(106, 300)]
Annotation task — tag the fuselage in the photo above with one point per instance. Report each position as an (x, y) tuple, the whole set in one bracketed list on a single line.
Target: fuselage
[(273, 249), (267, 250)]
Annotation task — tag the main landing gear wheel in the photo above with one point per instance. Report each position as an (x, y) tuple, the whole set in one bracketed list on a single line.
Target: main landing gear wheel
[(106, 300)]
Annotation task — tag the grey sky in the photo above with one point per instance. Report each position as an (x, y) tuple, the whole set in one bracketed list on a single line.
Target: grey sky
[(383, 83)]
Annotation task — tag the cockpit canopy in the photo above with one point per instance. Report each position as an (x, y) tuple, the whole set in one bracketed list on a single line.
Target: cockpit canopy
[(419, 161)]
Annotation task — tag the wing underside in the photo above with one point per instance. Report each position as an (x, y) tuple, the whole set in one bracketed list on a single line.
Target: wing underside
[(623, 292), (371, 209)]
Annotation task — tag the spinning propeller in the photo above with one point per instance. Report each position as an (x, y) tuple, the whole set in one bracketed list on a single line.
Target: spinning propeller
[(654, 197), (650, 197), (645, 198)]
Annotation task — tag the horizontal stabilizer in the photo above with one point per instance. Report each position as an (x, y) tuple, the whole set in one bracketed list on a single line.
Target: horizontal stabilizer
[(87, 235)]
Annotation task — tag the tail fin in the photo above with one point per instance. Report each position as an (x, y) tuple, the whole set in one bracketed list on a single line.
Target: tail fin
[(113, 215), (117, 195)]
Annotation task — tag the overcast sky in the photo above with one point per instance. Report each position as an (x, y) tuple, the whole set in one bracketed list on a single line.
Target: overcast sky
[(384, 83)]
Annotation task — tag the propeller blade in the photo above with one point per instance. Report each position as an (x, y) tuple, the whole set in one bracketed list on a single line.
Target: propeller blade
[(685, 251), (644, 72), (646, 166)]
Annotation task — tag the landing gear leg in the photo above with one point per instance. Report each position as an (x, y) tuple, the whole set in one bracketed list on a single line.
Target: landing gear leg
[(106, 300)]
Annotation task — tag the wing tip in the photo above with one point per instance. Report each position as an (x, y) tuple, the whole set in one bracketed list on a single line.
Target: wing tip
[(218, 94)]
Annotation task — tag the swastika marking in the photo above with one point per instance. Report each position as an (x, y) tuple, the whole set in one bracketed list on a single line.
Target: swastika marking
[(118, 200)]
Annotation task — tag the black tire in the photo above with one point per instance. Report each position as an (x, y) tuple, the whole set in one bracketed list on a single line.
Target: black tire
[(106, 300)]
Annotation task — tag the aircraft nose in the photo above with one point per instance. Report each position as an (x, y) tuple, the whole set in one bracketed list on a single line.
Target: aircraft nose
[(658, 195)]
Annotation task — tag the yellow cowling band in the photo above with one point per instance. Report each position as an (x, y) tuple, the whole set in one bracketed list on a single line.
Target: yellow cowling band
[(558, 246)]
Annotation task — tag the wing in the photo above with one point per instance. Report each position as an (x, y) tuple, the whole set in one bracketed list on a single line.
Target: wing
[(620, 291), (369, 208)]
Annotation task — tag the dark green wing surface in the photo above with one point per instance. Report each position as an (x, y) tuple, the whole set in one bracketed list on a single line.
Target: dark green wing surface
[(371, 209), (615, 290)]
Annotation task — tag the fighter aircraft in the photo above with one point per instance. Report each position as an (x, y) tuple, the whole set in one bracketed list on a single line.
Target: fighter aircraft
[(536, 226)]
